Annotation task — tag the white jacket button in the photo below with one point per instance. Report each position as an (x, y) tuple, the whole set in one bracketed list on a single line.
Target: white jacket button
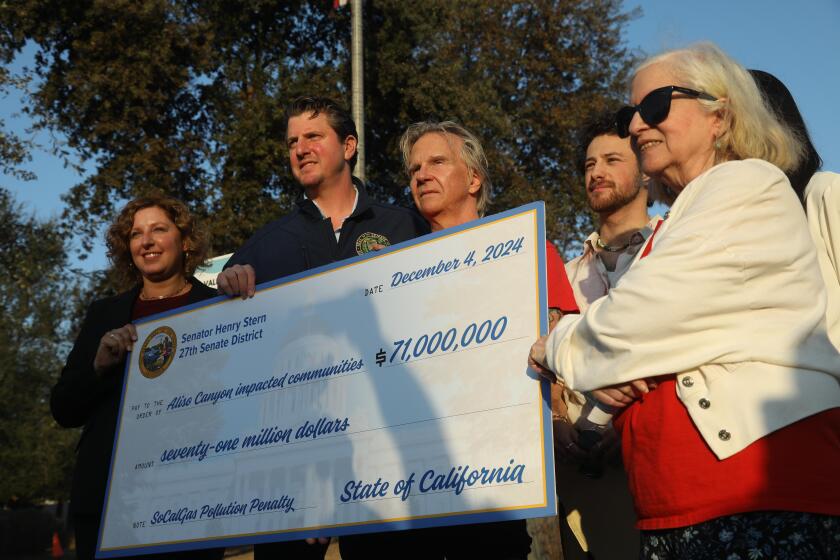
[(704, 403), (687, 381), (724, 435)]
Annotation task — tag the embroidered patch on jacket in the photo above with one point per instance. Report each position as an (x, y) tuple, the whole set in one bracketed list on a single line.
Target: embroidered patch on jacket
[(157, 352), (366, 241)]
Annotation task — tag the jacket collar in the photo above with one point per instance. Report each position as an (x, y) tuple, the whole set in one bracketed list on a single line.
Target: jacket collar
[(310, 210), (636, 240), (200, 291)]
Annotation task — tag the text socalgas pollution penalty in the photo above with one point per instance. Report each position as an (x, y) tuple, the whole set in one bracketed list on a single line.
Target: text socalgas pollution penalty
[(284, 504)]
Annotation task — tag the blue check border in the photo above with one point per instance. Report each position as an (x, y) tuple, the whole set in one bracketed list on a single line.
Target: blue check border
[(548, 507)]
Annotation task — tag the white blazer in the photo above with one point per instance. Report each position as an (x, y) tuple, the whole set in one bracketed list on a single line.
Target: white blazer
[(822, 202), (730, 299)]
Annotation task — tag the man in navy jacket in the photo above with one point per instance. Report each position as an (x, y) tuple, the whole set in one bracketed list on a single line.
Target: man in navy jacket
[(334, 219)]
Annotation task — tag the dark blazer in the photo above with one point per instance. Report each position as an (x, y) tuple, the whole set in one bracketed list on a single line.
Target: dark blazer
[(303, 239), (83, 398)]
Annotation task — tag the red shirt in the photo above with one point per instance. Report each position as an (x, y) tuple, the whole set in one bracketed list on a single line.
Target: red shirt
[(560, 294), (676, 480), (145, 307)]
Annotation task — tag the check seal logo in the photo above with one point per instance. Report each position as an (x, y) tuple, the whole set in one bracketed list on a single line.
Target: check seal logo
[(157, 352), (366, 241)]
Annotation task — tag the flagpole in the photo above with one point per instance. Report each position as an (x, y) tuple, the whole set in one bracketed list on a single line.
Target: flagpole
[(358, 86)]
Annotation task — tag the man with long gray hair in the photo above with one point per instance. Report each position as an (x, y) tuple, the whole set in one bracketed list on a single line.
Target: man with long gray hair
[(447, 168), (450, 183)]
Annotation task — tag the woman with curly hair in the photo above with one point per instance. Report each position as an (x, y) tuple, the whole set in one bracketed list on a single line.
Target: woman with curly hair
[(154, 246)]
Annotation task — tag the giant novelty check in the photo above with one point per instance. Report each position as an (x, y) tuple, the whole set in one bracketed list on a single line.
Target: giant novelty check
[(384, 392)]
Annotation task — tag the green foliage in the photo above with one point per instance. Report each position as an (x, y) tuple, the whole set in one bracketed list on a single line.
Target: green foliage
[(525, 76), (35, 454), (14, 151), (187, 96)]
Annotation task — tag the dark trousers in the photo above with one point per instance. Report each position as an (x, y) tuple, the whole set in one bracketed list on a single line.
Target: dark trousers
[(504, 540), (290, 550), (86, 529)]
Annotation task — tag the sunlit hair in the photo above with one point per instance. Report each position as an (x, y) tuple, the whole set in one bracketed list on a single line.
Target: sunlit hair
[(337, 117), (751, 129), (117, 238), (472, 153)]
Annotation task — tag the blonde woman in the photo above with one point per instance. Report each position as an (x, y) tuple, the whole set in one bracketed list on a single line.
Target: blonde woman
[(735, 452)]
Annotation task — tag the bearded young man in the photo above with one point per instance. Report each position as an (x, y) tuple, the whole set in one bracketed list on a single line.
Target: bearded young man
[(591, 483), (333, 220), (616, 192)]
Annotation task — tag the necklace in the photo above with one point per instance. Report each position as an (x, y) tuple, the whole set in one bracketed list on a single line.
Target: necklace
[(177, 292), (610, 248)]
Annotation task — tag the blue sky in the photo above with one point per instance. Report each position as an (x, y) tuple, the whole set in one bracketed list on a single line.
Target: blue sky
[(798, 42)]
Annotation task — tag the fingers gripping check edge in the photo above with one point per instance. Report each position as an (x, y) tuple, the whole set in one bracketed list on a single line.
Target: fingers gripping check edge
[(238, 280)]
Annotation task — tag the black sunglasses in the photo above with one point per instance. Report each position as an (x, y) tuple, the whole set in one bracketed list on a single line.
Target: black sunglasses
[(654, 107)]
